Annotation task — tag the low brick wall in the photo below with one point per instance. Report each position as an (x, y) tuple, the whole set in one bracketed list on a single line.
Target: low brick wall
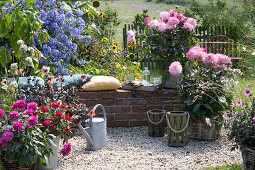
[(126, 108)]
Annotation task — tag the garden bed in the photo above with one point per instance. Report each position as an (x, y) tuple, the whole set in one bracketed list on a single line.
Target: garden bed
[(132, 148), (128, 108)]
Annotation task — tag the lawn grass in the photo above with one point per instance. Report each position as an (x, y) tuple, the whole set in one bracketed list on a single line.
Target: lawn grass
[(236, 166)]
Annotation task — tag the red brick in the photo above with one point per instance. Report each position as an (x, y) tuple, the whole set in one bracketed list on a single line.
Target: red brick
[(138, 102), (152, 107), (88, 95), (141, 116), (138, 123), (123, 93), (139, 109), (168, 108), (123, 102), (90, 102), (106, 102), (143, 94), (108, 94), (170, 93), (117, 123), (118, 109), (155, 101)]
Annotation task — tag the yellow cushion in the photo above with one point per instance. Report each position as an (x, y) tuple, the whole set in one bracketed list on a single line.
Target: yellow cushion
[(98, 83)]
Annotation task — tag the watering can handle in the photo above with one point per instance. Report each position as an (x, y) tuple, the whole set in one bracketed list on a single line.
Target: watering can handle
[(102, 108), (177, 131)]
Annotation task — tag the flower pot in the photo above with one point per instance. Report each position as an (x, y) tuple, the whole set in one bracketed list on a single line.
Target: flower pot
[(200, 131), (248, 155), (156, 123), (177, 123), (53, 159), (13, 165)]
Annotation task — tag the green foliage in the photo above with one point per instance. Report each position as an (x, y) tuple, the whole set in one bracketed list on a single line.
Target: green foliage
[(236, 166), (139, 19)]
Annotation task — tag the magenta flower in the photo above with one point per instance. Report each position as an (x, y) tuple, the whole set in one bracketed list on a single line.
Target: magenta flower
[(1, 113), (170, 26), (45, 70), (46, 122), (188, 26), (173, 21), (147, 20), (7, 136), (4, 144), (84, 77), (21, 104), (192, 21), (180, 16), (28, 125), (33, 106), (239, 103), (247, 92), (66, 149), (28, 112), (17, 126), (210, 59), (253, 118), (175, 68), (33, 120), (208, 122), (14, 115)]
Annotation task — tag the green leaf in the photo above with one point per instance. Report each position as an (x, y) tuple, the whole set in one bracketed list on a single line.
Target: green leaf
[(3, 28), (196, 107), (42, 161), (208, 107), (5, 57)]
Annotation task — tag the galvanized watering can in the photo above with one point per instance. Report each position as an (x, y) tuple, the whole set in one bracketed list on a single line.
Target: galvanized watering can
[(95, 133)]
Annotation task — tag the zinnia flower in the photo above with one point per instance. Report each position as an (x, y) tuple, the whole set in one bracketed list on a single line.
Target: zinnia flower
[(45, 70), (21, 104), (46, 122), (44, 109), (175, 68), (59, 114), (68, 117), (247, 92), (91, 113), (17, 126), (14, 115), (68, 129), (7, 135), (32, 106), (66, 149), (1, 113), (33, 120), (53, 119), (28, 112), (239, 103), (54, 105), (208, 122), (52, 127)]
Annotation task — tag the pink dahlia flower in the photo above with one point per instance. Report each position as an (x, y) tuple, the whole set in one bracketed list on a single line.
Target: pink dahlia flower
[(66, 149), (14, 115), (169, 26), (175, 68), (33, 106), (210, 59), (147, 20), (188, 26), (180, 16), (161, 26), (7, 136), (1, 113), (153, 24), (17, 126), (164, 15), (33, 120), (173, 21), (192, 21)]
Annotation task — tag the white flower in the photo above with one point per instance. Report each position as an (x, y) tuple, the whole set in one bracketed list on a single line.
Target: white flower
[(23, 48), (244, 49), (30, 49), (20, 42), (14, 84), (14, 66), (29, 60), (253, 53)]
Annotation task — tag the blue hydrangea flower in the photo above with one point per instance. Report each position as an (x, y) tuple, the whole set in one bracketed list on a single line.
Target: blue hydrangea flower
[(79, 13), (69, 14)]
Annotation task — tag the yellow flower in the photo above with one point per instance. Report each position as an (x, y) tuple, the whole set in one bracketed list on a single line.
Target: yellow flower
[(114, 48), (116, 43), (96, 3), (86, 51), (101, 14), (131, 56), (137, 65), (137, 74), (104, 40)]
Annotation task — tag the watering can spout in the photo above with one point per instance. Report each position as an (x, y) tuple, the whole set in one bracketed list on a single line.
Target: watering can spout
[(86, 135)]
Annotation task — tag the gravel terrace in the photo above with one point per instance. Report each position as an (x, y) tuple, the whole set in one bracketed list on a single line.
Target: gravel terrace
[(132, 148)]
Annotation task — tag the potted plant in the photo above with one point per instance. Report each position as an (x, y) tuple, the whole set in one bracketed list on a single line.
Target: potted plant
[(204, 92), (22, 142), (241, 124)]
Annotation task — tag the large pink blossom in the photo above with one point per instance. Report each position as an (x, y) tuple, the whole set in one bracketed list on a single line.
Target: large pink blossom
[(17, 126), (7, 135), (192, 21), (196, 53), (164, 15), (131, 36), (175, 68), (14, 115), (33, 106), (172, 13), (33, 120), (21, 104), (169, 26), (180, 16), (210, 59), (161, 26), (173, 21), (2, 113), (45, 70), (147, 20), (188, 26), (66, 149), (153, 24)]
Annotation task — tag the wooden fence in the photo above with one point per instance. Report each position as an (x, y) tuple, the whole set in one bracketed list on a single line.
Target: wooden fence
[(201, 33)]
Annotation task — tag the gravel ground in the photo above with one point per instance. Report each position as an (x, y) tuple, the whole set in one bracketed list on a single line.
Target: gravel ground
[(132, 148)]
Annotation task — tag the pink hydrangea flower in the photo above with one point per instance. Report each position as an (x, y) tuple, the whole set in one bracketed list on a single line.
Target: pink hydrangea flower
[(17, 126), (175, 68), (131, 36), (247, 92), (210, 59), (173, 21), (164, 15), (45, 70), (33, 106), (33, 120), (147, 20), (66, 149), (161, 26), (208, 122), (14, 115), (1, 113), (192, 21), (239, 103), (7, 135)]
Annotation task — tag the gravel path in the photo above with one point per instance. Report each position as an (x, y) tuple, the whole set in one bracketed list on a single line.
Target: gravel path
[(132, 148)]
